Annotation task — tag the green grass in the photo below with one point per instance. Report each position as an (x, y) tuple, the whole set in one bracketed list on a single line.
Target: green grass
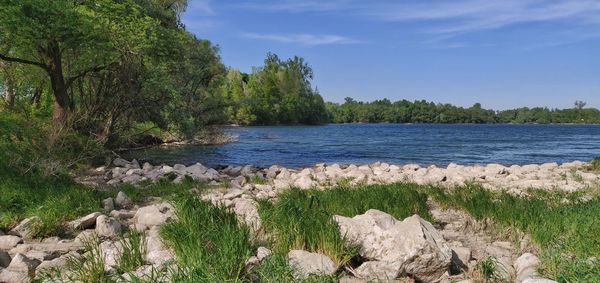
[(303, 219), (256, 180), (595, 164), (209, 243), (566, 233), (57, 200), (133, 245), (275, 269)]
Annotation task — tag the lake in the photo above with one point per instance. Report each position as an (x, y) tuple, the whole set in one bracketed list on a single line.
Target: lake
[(424, 144)]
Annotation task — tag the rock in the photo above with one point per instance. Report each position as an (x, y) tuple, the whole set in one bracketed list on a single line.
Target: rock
[(460, 259), (247, 212), (86, 236), (21, 263), (88, 221), (122, 214), (262, 253), (306, 263), (57, 263), (526, 266), (412, 244), (153, 215), (233, 193), (304, 182), (112, 252), (538, 280), (108, 204), (120, 162), (4, 259), (51, 248), (164, 257), (122, 201), (26, 229), (252, 262), (132, 179), (9, 241), (379, 271), (107, 227), (9, 276)]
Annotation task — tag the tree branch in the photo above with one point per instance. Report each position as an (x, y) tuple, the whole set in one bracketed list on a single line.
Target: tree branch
[(83, 73), (23, 61)]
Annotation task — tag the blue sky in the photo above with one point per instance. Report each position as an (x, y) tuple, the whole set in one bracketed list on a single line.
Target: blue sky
[(501, 53)]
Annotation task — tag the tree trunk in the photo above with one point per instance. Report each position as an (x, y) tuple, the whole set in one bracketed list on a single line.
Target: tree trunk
[(59, 87)]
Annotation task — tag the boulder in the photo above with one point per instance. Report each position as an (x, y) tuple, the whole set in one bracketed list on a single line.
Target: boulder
[(526, 266), (86, 222), (51, 248), (379, 271), (538, 280), (107, 227), (412, 244), (304, 182), (9, 241), (108, 204), (262, 253), (122, 200), (153, 215), (306, 263), (21, 263), (247, 212), (26, 228), (112, 252)]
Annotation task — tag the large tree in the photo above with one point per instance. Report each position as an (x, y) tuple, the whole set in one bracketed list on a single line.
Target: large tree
[(69, 39)]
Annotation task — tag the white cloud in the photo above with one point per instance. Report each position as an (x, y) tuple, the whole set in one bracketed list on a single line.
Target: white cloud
[(452, 17), (303, 39)]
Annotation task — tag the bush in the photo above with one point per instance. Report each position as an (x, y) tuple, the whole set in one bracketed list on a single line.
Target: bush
[(596, 164)]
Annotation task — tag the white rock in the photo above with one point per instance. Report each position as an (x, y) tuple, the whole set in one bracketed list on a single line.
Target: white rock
[(26, 228), (413, 244), (247, 212), (107, 227), (304, 182), (154, 215), (262, 253), (526, 266), (112, 252), (306, 263), (21, 263), (538, 280), (108, 204), (9, 241), (122, 200), (379, 271), (88, 221)]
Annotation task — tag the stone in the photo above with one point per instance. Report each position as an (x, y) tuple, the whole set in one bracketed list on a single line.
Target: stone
[(412, 244), (108, 204), (49, 265), (9, 241), (306, 263), (107, 227), (120, 162), (304, 182), (538, 280), (379, 271), (460, 259), (526, 266), (51, 248), (26, 228), (122, 200), (86, 222), (112, 252), (4, 259), (252, 262), (154, 215), (21, 263), (164, 257), (233, 193), (262, 253), (9, 276), (247, 212)]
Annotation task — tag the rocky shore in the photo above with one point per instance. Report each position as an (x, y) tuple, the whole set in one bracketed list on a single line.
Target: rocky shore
[(410, 250)]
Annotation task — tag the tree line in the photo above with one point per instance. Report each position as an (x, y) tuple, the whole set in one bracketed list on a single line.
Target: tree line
[(421, 111), (114, 71)]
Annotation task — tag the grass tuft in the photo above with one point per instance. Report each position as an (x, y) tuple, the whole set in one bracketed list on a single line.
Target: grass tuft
[(133, 247), (303, 219), (209, 243)]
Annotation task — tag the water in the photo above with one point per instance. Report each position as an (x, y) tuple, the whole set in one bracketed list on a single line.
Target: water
[(424, 144)]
